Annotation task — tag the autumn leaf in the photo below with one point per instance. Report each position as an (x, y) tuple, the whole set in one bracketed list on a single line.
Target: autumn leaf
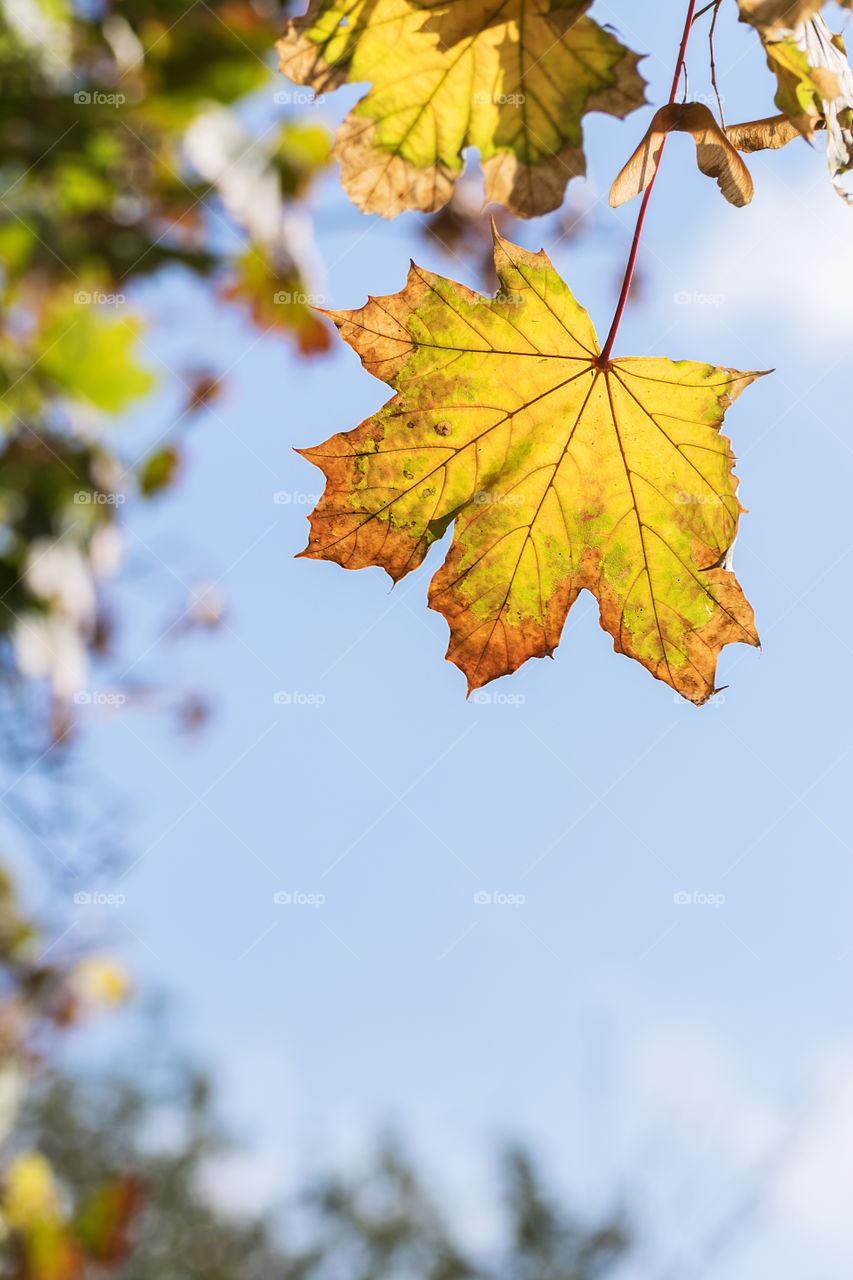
[(773, 15), (104, 1220), (31, 1205), (511, 77), (715, 154), (815, 82), (559, 471), (90, 355)]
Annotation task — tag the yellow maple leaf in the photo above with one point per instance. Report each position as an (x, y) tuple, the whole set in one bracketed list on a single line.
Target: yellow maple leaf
[(510, 77), (562, 471)]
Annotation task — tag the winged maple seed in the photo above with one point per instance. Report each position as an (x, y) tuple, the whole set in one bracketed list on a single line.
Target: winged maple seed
[(558, 469), (511, 77), (762, 135), (715, 154)]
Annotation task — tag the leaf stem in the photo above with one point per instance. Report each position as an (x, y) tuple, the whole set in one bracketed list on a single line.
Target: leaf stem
[(641, 217), (717, 4)]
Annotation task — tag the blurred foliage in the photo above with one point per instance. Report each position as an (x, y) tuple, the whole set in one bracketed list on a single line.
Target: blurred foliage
[(133, 137), (129, 1173), (98, 100), (380, 1221), (137, 138), (49, 1231)]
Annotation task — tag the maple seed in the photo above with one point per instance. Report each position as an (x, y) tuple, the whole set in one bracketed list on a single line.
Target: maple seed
[(564, 473), (715, 154)]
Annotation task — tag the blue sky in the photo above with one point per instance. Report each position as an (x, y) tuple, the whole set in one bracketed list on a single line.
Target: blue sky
[(686, 1054)]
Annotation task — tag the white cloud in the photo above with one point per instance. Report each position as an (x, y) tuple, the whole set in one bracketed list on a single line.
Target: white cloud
[(785, 263)]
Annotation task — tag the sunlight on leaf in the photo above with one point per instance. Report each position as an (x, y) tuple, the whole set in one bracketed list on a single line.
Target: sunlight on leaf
[(559, 471), (510, 77)]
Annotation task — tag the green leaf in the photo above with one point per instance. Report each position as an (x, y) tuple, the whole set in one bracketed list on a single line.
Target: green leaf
[(90, 355)]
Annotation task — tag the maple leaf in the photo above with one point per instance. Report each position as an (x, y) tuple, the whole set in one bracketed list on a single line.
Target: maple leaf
[(510, 77), (561, 470), (815, 82), (775, 15)]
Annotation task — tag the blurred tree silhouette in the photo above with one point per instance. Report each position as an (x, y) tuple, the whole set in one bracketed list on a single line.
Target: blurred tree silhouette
[(133, 137), (111, 1173), (379, 1223), (45, 1233)]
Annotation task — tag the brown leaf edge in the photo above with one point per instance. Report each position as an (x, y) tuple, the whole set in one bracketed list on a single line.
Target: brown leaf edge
[(388, 184), (379, 334)]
